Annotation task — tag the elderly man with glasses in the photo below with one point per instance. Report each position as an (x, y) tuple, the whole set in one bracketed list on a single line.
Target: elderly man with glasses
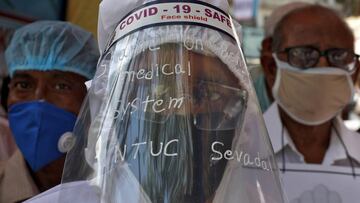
[(312, 81)]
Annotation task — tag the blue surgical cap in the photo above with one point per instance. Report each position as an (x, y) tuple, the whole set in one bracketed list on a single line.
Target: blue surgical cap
[(52, 45)]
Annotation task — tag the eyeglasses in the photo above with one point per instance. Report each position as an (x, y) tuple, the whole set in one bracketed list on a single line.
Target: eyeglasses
[(219, 107), (214, 106), (307, 56)]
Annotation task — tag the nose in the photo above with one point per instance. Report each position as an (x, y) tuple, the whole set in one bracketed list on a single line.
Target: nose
[(40, 91), (323, 62)]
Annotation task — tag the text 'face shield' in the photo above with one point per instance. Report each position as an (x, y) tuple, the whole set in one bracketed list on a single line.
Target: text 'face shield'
[(171, 117)]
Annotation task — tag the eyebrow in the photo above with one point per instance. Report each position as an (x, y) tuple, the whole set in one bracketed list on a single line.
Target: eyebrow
[(63, 77), (22, 75), (222, 81), (221, 78)]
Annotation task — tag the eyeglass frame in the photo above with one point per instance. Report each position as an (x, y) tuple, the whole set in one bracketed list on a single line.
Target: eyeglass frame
[(321, 54), (243, 94)]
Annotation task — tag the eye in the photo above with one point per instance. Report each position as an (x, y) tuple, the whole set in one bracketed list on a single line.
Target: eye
[(22, 85), (62, 86), (297, 53), (209, 94), (303, 57), (214, 96), (340, 55)]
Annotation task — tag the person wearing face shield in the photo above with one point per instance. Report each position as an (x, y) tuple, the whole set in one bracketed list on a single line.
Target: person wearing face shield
[(171, 115), (48, 62), (312, 81)]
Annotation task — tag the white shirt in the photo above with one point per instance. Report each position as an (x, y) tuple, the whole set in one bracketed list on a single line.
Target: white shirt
[(335, 155)]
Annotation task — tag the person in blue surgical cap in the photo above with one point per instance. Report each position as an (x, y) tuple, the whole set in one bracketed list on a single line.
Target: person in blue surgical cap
[(49, 63)]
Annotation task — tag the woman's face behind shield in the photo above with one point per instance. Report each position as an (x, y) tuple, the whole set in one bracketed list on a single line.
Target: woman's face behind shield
[(176, 109)]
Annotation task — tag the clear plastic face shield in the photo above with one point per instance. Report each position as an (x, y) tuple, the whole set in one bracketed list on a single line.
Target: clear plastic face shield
[(171, 115)]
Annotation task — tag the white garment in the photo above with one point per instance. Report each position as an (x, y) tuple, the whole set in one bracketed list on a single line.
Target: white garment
[(88, 192), (335, 153), (80, 192)]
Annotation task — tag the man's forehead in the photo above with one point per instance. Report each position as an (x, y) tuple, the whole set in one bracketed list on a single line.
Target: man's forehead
[(321, 29), (52, 74), (320, 38)]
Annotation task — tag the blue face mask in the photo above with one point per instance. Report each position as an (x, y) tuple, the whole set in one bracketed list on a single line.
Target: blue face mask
[(37, 128)]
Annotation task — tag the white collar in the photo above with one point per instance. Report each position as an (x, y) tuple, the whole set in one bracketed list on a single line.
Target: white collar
[(335, 151)]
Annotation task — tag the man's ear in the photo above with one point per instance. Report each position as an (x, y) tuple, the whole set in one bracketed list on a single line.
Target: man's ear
[(268, 63)]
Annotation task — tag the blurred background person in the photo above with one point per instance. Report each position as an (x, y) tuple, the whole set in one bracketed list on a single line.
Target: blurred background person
[(315, 70), (312, 83), (257, 18), (48, 62), (262, 84)]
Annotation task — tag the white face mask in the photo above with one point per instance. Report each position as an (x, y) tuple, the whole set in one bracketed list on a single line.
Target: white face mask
[(312, 96)]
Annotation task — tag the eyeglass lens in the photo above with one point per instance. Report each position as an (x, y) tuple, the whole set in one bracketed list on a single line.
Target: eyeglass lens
[(306, 57)]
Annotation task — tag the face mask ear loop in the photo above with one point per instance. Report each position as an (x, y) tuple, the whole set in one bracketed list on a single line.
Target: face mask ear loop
[(347, 153), (282, 150)]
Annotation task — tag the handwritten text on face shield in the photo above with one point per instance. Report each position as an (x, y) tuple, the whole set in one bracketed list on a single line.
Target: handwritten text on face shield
[(245, 159), (156, 106), (169, 149), (158, 70), (147, 103)]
